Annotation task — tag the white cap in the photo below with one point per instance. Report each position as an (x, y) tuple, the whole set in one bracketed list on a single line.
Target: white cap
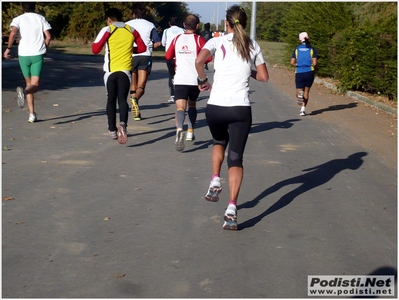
[(303, 36)]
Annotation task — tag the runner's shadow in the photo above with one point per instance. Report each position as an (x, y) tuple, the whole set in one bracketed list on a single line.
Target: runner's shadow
[(76, 117), (200, 145), (333, 108), (316, 176), (170, 133), (260, 127)]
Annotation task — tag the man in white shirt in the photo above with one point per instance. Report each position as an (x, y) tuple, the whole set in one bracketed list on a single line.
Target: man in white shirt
[(167, 37), (34, 32), (142, 63), (184, 48)]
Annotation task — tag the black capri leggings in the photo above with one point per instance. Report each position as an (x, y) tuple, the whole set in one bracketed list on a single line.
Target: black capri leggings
[(230, 126), (117, 85)]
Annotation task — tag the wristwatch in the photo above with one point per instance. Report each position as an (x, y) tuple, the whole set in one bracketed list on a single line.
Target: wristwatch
[(202, 80)]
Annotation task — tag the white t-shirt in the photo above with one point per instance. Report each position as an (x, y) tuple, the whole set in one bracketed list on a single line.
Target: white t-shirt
[(169, 34), (186, 47), (230, 85), (148, 34), (31, 28)]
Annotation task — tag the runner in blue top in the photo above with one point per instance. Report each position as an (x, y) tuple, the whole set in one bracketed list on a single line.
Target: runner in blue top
[(304, 58)]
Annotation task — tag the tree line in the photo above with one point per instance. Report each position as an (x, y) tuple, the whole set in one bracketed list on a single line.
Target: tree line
[(83, 20), (356, 41)]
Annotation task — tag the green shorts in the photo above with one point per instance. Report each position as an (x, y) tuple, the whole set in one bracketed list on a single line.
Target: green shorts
[(31, 65)]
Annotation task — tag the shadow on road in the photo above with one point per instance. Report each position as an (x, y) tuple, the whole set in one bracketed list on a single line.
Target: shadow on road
[(171, 133), (316, 176), (77, 117), (333, 108), (260, 127)]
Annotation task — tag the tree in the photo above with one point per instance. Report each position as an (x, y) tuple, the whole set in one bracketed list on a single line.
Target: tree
[(269, 17), (166, 10), (364, 56), (321, 20), (9, 11), (83, 20)]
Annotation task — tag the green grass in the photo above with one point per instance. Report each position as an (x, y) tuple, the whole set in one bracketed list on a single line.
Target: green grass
[(76, 48), (274, 53)]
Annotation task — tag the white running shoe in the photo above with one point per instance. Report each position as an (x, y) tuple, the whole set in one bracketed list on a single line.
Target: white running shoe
[(190, 136), (122, 133), (300, 98), (21, 97), (179, 142), (230, 218), (171, 99), (302, 112), (32, 118), (215, 188)]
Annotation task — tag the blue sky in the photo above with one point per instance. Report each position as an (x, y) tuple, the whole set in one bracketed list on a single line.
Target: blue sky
[(208, 10)]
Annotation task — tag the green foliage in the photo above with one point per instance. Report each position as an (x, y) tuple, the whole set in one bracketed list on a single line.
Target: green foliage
[(82, 20), (269, 17), (86, 21), (321, 20), (58, 15), (356, 41), (166, 10), (9, 11), (365, 57), (375, 13)]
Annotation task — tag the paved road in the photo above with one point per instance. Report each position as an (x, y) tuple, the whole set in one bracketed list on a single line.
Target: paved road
[(89, 218)]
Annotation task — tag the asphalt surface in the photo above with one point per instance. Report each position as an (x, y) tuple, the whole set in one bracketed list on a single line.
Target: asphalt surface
[(86, 217)]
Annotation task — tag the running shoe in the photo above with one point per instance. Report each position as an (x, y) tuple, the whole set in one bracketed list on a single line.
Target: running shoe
[(113, 134), (215, 188), (171, 99), (32, 118), (21, 97), (135, 109), (190, 136), (300, 98), (302, 111), (122, 134), (230, 218), (179, 142)]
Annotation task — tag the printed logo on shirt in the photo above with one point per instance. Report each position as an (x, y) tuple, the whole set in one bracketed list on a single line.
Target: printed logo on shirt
[(185, 50)]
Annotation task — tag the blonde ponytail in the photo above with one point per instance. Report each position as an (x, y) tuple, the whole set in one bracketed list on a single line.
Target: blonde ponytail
[(237, 19)]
